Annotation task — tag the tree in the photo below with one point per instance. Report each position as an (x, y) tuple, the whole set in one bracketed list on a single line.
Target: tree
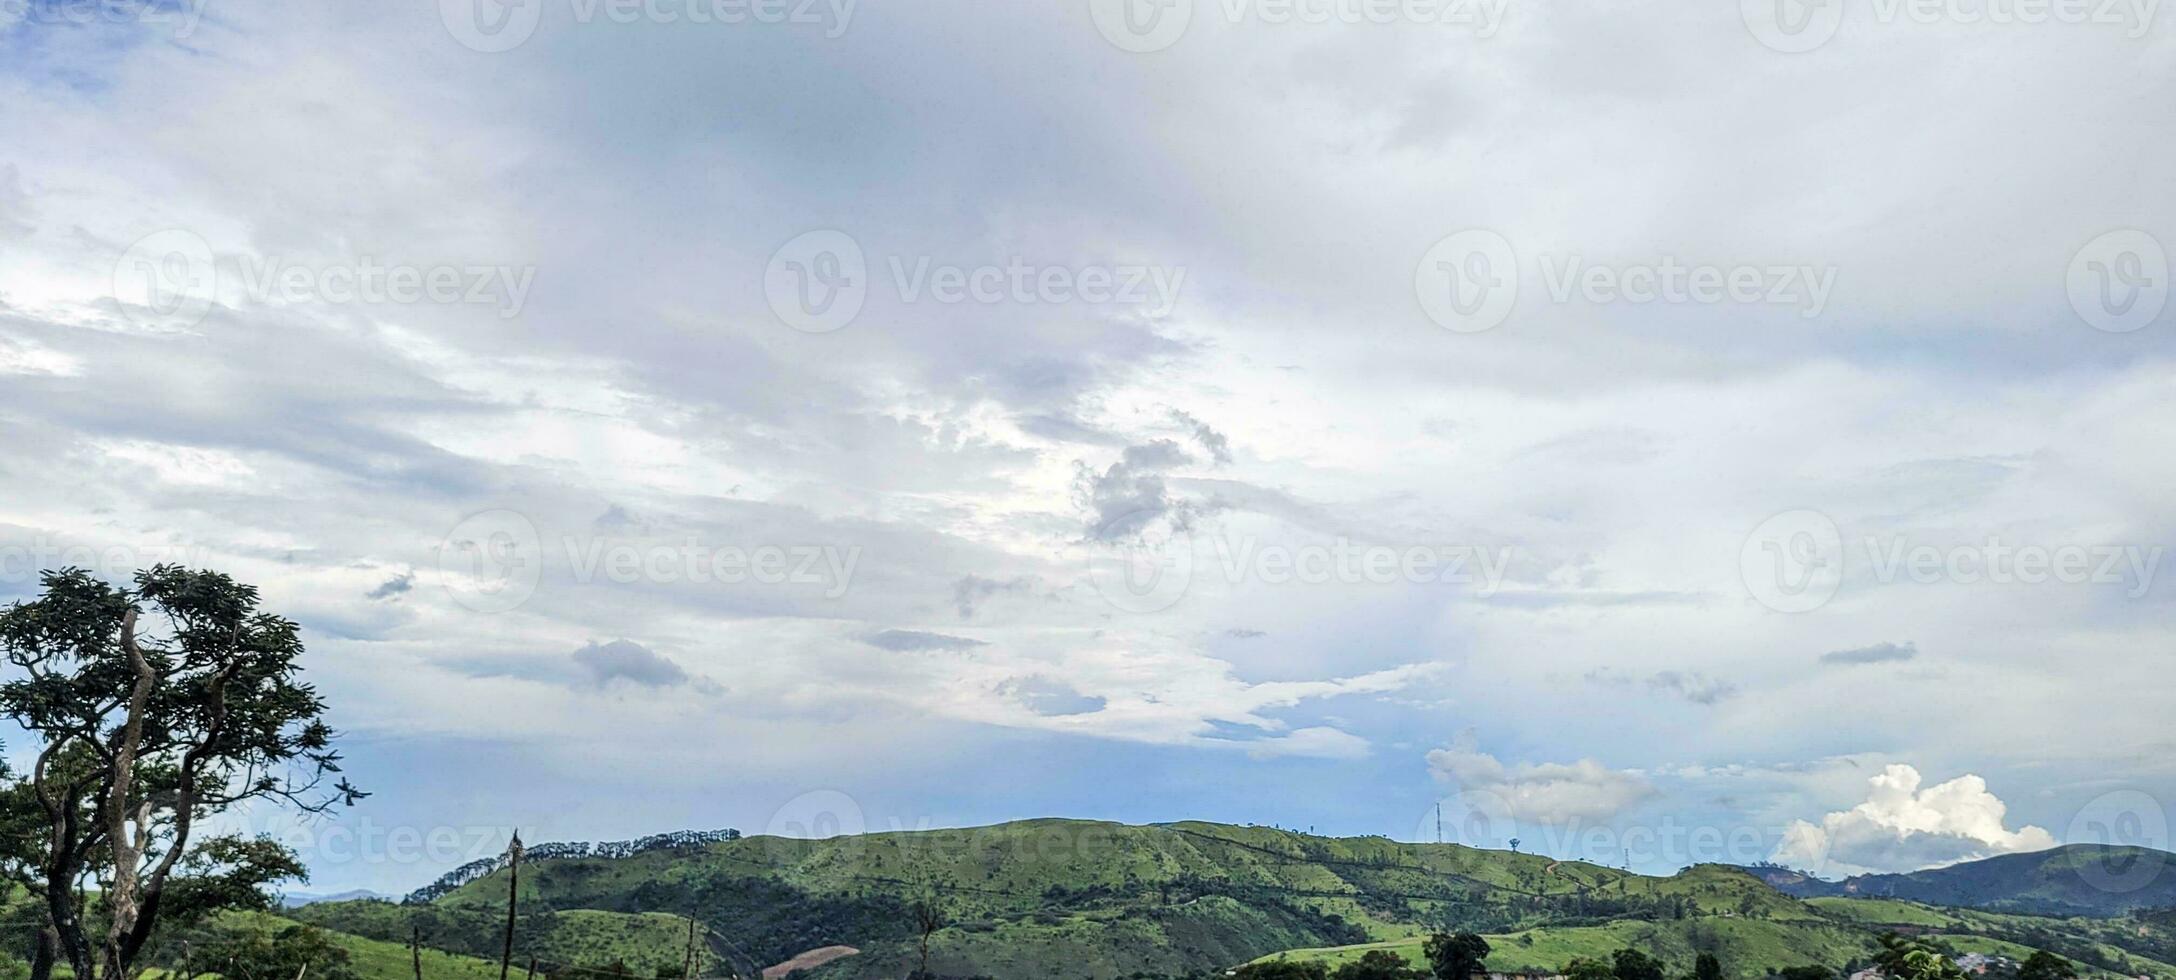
[(1910, 959), (1806, 973), (1378, 964), (255, 952), (142, 734), (2043, 965), (1926, 964), (1456, 957), (1586, 969), (929, 917), (1890, 958), (1707, 967), (1631, 964)]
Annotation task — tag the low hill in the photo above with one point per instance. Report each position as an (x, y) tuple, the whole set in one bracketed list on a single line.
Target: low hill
[(1085, 899), (2081, 879)]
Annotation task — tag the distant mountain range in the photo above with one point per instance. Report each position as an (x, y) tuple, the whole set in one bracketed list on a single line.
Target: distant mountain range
[(296, 900), (2081, 879)]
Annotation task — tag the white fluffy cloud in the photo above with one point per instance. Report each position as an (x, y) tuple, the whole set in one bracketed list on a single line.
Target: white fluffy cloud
[(1902, 827), (1549, 793)]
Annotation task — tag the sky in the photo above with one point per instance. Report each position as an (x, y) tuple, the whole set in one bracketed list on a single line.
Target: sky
[(1655, 432)]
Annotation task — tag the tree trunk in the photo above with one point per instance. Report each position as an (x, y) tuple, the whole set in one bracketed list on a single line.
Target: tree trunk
[(121, 898), (513, 896), (41, 962)]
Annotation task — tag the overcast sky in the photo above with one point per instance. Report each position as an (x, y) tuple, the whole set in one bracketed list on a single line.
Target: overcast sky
[(1661, 432)]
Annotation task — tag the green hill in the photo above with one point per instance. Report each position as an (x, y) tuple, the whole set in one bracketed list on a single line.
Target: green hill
[(2081, 879), (1043, 899), (1067, 898)]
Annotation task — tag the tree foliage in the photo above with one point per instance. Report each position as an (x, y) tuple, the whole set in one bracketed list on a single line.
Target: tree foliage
[(1378, 964), (1631, 964), (1456, 956), (2043, 965), (153, 707), (257, 952)]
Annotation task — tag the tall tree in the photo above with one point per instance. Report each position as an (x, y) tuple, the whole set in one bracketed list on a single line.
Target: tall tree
[(1456, 957), (1707, 967), (153, 706), (1631, 964)]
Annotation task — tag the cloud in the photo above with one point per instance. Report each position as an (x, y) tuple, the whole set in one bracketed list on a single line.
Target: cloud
[(911, 641), (1550, 793), (625, 660), (15, 211), (1317, 742), (1692, 686), (971, 591), (1902, 827), (1130, 496), (1219, 447), (397, 585), (1879, 653), (1242, 633), (1051, 697)]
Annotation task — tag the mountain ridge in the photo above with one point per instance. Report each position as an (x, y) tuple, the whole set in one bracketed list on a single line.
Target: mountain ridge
[(1100, 900), (2071, 879)]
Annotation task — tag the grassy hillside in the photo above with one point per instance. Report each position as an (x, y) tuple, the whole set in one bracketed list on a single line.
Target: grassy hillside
[(1068, 898), (375, 960), (644, 943), (1844, 935), (2079, 880)]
